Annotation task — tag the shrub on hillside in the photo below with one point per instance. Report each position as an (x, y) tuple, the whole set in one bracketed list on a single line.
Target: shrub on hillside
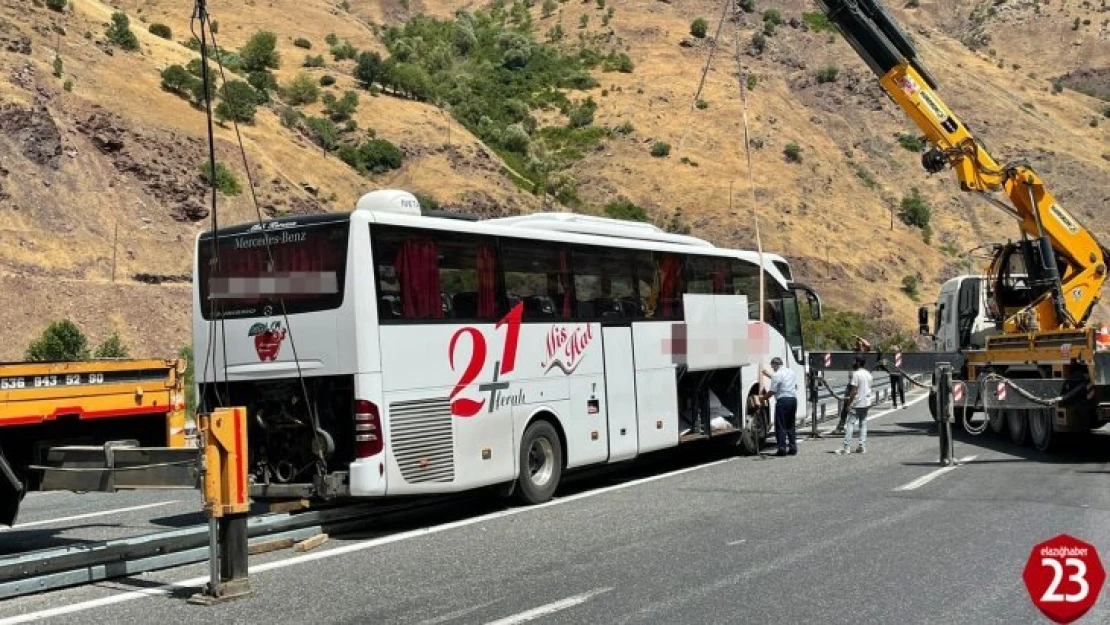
[(161, 30), (178, 80), (340, 109), (239, 102), (313, 61), (660, 149), (793, 152), (828, 74), (623, 208), (112, 347), (226, 182), (61, 340), (56, 5), (699, 28), (327, 80), (302, 90), (379, 155), (119, 32), (301, 42)]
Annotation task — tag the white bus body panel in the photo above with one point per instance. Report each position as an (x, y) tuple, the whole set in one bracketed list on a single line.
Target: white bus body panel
[(620, 392), (656, 388)]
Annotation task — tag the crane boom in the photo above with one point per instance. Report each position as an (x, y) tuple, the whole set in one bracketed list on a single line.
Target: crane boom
[(1065, 264)]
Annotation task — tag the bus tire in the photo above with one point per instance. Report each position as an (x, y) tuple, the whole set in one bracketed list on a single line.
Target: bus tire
[(541, 463), (754, 437)]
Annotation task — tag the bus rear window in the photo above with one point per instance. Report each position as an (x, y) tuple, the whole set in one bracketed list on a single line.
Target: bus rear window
[(302, 265)]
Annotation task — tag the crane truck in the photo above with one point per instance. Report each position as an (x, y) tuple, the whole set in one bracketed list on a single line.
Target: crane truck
[(1040, 368)]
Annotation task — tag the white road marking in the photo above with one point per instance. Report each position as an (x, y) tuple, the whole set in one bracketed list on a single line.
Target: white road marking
[(738, 542), (550, 608), (929, 477), (457, 614), (90, 515), (338, 551)]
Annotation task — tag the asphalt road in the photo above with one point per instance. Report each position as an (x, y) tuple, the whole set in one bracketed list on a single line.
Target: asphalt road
[(696, 537)]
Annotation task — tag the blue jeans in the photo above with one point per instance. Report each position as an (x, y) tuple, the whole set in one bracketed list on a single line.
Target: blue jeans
[(858, 414), (786, 409)]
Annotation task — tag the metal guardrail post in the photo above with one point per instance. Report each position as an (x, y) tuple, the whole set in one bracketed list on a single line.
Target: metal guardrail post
[(944, 412), (814, 396), (227, 504)]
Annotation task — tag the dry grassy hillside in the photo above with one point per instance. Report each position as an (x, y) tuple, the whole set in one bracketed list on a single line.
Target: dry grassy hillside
[(116, 157)]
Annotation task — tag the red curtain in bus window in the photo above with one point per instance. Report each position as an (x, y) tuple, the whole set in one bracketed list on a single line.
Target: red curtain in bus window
[(670, 284), (564, 279), (487, 282), (720, 271), (418, 272)]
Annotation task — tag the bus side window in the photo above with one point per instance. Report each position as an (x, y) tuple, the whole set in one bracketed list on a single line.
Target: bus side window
[(669, 285), (604, 284), (539, 277)]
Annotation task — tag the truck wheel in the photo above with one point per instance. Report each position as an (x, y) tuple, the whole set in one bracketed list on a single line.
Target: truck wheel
[(1018, 425), (997, 418), (541, 463), (1041, 429)]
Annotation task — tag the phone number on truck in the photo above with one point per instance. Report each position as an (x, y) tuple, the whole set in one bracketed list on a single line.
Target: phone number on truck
[(46, 381)]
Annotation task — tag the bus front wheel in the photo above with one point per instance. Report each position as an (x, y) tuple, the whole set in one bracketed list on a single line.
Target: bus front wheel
[(541, 463)]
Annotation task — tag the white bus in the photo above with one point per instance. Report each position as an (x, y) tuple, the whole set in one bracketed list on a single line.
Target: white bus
[(384, 352)]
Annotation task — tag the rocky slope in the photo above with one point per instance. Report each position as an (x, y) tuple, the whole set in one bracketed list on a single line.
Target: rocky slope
[(100, 180)]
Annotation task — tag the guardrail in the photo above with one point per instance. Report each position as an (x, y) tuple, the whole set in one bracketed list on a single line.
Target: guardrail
[(880, 389)]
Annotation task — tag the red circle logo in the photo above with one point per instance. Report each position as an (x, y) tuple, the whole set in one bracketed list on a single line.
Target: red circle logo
[(1064, 577)]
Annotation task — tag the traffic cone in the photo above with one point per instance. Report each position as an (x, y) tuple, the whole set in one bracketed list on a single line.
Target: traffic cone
[(1102, 339)]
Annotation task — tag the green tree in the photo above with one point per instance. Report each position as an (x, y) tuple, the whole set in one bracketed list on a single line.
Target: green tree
[(369, 69), (379, 155), (239, 102), (699, 28), (60, 341), (915, 211), (177, 79), (186, 354), (112, 347), (260, 53), (324, 132), (910, 286), (119, 32)]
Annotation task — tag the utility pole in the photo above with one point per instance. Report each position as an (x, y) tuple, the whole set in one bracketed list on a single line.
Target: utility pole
[(828, 264), (115, 246)]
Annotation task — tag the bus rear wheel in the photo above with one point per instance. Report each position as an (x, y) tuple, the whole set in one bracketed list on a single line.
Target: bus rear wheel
[(541, 463)]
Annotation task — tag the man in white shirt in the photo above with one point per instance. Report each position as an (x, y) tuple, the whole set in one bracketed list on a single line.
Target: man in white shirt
[(784, 388), (858, 401)]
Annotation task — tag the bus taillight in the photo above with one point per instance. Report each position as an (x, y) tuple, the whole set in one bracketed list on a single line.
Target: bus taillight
[(368, 429)]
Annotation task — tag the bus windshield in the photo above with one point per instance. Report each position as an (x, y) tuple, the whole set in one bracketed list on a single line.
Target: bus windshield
[(300, 264)]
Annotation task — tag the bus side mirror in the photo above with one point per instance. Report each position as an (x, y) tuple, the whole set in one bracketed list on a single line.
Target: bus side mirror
[(923, 321), (812, 298)]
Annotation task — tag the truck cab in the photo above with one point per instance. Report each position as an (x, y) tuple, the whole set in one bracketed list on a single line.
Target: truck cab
[(962, 319)]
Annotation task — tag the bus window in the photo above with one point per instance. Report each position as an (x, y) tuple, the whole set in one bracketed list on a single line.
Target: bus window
[(708, 275), (604, 285), (669, 285), (792, 325), (537, 274), (295, 267)]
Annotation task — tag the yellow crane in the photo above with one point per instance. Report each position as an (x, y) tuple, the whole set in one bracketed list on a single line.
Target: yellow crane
[(1046, 372)]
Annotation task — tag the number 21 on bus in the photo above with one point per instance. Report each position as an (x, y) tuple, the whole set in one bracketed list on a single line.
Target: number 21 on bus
[(462, 406)]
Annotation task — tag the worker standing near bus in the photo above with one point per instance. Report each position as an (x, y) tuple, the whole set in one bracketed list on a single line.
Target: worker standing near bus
[(859, 401), (784, 387), (862, 347)]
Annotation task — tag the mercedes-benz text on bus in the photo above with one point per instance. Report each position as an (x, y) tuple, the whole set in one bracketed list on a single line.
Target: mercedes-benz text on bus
[(385, 352)]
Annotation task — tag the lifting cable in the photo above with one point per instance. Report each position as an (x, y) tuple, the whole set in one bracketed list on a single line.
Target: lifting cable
[(205, 21), (704, 73)]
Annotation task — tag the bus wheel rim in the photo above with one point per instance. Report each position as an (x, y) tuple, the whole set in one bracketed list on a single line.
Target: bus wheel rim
[(541, 461)]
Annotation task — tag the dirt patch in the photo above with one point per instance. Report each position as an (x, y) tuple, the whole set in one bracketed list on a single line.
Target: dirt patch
[(12, 39)]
